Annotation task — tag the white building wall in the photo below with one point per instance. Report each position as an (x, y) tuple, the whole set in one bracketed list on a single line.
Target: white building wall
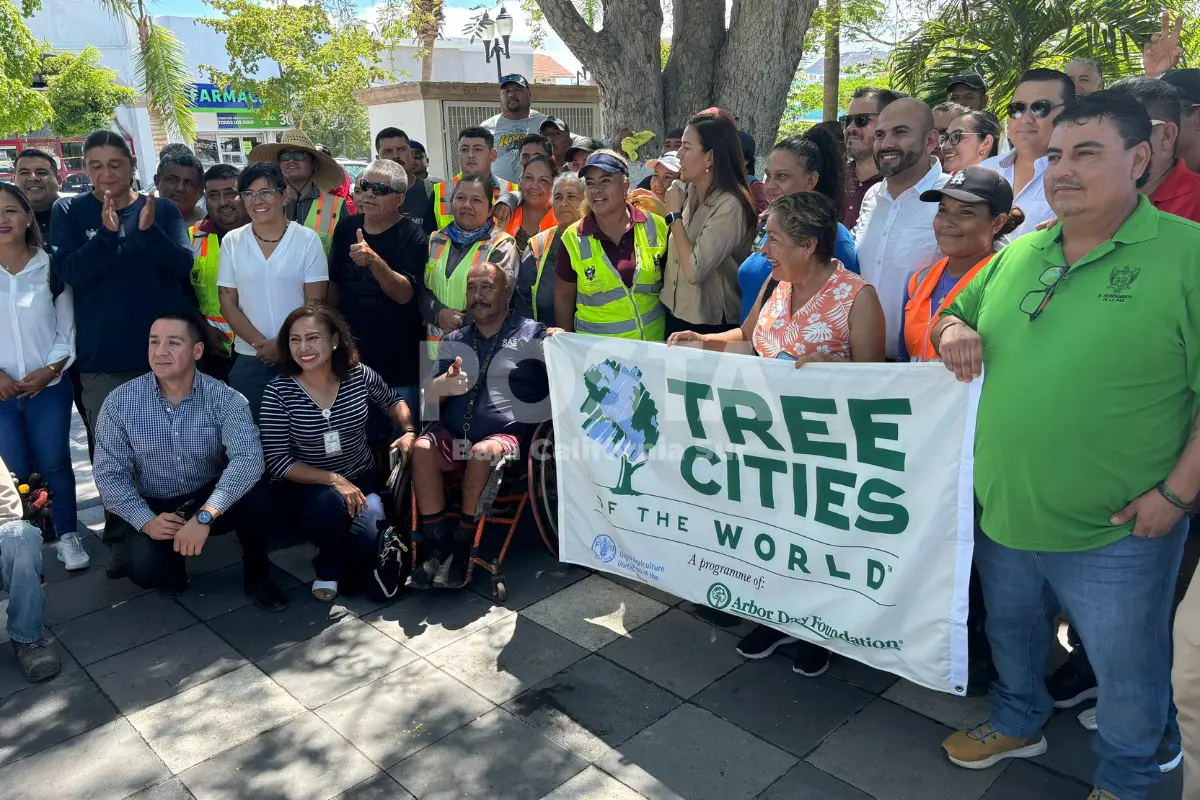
[(459, 61)]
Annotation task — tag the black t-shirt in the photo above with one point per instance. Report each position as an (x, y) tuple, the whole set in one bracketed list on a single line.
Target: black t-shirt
[(389, 335), (417, 204), (43, 221)]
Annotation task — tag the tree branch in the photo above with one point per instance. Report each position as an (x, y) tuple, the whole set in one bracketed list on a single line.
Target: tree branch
[(868, 35), (572, 28)]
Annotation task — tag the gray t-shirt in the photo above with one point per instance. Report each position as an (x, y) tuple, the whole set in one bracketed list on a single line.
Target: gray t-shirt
[(509, 133)]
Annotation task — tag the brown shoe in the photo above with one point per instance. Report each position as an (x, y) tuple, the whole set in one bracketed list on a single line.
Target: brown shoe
[(1101, 794), (37, 660), (982, 746)]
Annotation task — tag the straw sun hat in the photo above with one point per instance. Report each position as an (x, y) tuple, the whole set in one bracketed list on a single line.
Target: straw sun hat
[(328, 175)]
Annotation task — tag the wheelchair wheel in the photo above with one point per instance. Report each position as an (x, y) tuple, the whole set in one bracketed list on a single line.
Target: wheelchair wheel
[(543, 485)]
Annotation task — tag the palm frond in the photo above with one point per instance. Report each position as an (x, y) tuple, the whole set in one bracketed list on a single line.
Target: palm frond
[(163, 75)]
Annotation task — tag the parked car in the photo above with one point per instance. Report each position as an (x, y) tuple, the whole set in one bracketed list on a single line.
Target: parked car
[(353, 168)]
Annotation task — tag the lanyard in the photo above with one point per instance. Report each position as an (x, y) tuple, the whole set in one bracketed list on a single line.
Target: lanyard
[(483, 371)]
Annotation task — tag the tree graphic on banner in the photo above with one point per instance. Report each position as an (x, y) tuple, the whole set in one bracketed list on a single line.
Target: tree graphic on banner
[(622, 417)]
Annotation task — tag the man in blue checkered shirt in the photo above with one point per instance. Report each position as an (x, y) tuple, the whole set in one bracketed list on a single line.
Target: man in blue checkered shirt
[(177, 459)]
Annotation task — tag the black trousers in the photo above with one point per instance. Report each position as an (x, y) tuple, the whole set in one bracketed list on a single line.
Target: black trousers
[(675, 325), (153, 562)]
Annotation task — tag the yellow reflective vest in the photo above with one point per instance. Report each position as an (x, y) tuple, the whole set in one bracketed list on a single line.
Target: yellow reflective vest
[(444, 190), (451, 290), (205, 262), (604, 305)]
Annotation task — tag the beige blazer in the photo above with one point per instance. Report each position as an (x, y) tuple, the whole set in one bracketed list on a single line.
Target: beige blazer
[(721, 240)]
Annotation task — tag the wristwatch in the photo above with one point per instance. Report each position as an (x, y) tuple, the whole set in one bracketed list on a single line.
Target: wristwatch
[(204, 516), (671, 217)]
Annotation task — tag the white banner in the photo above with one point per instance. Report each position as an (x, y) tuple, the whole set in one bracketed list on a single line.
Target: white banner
[(833, 502)]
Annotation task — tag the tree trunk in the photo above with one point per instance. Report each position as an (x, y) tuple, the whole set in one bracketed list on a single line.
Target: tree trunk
[(698, 33), (623, 58), (833, 58), (753, 61), (758, 63), (625, 481)]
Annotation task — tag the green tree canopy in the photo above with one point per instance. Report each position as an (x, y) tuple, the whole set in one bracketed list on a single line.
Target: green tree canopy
[(83, 94), (323, 59), (23, 108)]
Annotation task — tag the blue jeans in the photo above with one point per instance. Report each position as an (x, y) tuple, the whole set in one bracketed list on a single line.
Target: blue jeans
[(35, 436), (21, 576), (1119, 598)]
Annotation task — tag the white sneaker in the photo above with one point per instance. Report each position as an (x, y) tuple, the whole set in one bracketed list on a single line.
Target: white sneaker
[(1088, 719), (71, 552)]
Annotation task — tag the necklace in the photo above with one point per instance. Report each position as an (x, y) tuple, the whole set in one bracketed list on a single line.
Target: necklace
[(265, 239)]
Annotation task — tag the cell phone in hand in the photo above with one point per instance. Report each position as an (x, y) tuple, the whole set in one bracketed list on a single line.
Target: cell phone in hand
[(186, 510)]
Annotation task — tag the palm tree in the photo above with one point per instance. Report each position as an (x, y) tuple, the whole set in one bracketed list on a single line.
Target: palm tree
[(1003, 38), (162, 73), (428, 18)]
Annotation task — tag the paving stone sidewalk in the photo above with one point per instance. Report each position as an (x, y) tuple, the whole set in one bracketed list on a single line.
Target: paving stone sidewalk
[(580, 688)]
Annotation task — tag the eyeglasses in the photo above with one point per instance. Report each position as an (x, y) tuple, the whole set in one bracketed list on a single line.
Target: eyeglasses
[(1035, 302), (955, 139), (292, 155), (262, 195), (1039, 108), (859, 120), (380, 189)]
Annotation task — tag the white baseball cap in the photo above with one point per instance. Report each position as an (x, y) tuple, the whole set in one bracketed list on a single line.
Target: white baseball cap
[(669, 160)]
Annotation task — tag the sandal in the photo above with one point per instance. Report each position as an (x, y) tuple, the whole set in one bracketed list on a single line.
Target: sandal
[(325, 591)]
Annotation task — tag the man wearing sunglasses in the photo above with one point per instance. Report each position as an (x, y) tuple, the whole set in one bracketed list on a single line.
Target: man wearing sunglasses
[(1087, 457), (858, 126), (1039, 99), (376, 272)]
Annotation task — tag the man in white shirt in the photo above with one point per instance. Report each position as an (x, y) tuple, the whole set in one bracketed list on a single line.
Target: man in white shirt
[(1039, 99), (511, 124), (894, 235)]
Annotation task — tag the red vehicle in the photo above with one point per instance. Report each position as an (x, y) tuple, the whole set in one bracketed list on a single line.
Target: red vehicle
[(69, 152)]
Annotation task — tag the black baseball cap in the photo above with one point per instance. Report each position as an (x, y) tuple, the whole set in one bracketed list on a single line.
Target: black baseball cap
[(748, 146), (1187, 81), (588, 146), (674, 133), (975, 185), (415, 145), (514, 78), (556, 123), (971, 79)]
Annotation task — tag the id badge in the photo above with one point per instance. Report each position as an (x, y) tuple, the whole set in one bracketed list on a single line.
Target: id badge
[(333, 443)]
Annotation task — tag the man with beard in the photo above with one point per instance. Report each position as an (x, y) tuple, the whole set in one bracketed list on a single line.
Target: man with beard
[(1085, 508), (1040, 97), (894, 235), (37, 176), (178, 179), (225, 212), (859, 131), (511, 125)]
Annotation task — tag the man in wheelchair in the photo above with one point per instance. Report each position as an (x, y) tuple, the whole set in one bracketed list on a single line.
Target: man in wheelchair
[(490, 385)]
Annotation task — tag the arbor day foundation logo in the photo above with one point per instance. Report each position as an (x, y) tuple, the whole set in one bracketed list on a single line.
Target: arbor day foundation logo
[(719, 596), (621, 416)]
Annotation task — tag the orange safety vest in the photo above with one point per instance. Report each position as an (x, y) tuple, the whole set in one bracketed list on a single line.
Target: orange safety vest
[(919, 319), (517, 217)]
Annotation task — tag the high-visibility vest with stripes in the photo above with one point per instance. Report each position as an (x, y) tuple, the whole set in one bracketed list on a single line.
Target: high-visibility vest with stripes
[(323, 216), (604, 305), (205, 262), (451, 290), (919, 316), (444, 190), (539, 245)]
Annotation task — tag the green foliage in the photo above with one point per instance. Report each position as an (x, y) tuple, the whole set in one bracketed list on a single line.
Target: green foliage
[(343, 128), (857, 18), (23, 108), (1003, 38), (323, 59), (83, 94), (805, 98), (664, 52)]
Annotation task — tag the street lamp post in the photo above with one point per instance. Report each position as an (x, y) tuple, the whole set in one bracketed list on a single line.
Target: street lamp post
[(492, 33)]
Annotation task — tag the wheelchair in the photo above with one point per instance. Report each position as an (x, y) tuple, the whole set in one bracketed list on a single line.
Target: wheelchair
[(528, 480)]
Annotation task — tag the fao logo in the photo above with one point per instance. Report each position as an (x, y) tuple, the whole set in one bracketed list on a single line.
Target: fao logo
[(604, 547), (719, 596)]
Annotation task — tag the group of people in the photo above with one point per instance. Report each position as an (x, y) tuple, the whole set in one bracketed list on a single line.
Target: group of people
[(291, 343)]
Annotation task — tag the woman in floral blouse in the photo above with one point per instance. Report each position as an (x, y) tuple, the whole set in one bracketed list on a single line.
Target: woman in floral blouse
[(812, 309)]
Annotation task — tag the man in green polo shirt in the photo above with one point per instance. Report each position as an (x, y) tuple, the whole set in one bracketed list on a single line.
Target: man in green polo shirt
[(1084, 458)]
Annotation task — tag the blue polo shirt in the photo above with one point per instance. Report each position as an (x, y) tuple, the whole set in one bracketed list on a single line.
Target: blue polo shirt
[(515, 390)]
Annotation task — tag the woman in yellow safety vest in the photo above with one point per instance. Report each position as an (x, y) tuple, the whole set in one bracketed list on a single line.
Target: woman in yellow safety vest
[(535, 283), (470, 239), (610, 268)]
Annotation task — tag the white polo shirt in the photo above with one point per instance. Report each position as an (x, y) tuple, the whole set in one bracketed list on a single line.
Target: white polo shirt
[(894, 239), (1032, 197), (270, 288)]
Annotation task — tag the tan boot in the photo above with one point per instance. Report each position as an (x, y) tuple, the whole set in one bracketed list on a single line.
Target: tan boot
[(1101, 794), (37, 660), (982, 746)]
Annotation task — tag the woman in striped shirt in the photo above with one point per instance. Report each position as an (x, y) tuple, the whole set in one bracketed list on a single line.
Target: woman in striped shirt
[(313, 425)]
